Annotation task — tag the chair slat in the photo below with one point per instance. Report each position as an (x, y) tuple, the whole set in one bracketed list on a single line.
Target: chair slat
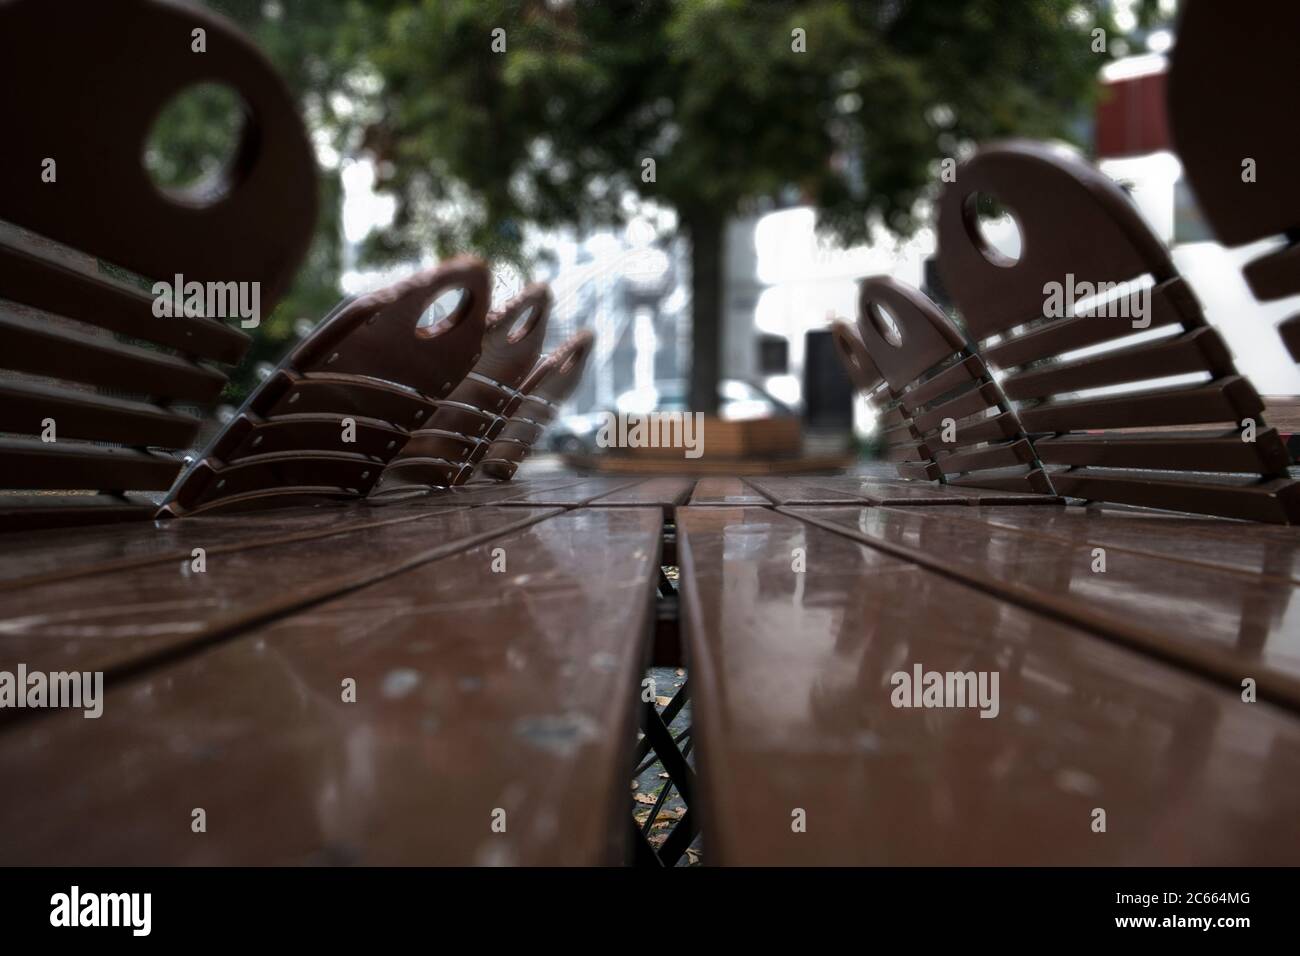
[(60, 465), (1194, 452), (52, 286), (1275, 501), (1194, 351), (37, 346), (969, 369), (86, 415), (1228, 400), (1171, 301)]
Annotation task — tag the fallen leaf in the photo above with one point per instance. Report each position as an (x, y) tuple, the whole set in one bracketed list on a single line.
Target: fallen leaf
[(649, 798), (661, 776), (636, 784), (681, 672), (692, 856), (663, 701)]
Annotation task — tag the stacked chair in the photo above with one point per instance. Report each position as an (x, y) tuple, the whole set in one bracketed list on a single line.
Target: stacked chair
[(484, 414), (958, 424), (101, 396), (97, 392), (1089, 406), (549, 383)]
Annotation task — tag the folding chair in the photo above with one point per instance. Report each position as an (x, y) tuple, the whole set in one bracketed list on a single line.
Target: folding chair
[(956, 425), (1231, 91), (1101, 421), (550, 382), (100, 389), (458, 434)]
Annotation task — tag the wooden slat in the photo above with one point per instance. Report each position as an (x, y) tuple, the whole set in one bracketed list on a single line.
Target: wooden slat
[(665, 493), (919, 471), (954, 376), (211, 484), (1273, 276), (879, 491), (1228, 400), (892, 418), (1179, 452), (249, 435), (1196, 351), (1065, 335), (290, 393), (1211, 621), (1029, 487), (963, 406), (122, 620), (34, 344), (478, 493), (910, 451), (68, 465), (59, 554), (787, 490), (725, 491), (570, 496), (1274, 501), (40, 282), (992, 428), (1255, 549), (787, 725), (527, 677), (889, 491), (34, 512), (78, 414), (1289, 329), (990, 456)]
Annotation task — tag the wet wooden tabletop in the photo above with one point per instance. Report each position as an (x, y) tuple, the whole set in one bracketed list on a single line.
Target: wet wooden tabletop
[(496, 635)]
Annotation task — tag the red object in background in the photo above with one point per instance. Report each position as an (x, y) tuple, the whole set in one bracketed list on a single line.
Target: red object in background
[(1131, 119)]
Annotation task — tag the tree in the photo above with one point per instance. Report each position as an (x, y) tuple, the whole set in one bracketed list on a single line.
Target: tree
[(510, 112), (546, 112)]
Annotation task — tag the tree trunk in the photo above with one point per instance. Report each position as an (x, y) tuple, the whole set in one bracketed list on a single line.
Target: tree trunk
[(706, 231)]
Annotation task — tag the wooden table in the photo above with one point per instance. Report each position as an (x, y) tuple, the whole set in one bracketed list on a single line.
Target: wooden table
[(497, 636)]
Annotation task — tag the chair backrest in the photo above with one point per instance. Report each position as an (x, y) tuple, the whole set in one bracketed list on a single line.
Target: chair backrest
[(855, 358), (961, 425), (444, 451), (1231, 97), (550, 382), (1038, 318), (900, 441), (343, 402), (95, 384)]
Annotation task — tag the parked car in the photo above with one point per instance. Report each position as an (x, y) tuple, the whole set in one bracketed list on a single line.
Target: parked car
[(737, 400)]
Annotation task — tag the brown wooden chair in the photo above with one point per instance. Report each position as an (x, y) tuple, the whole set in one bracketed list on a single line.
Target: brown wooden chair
[(1231, 98), (899, 440), (343, 402), (444, 451), (1139, 447), (953, 422), (96, 388), (550, 382)]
